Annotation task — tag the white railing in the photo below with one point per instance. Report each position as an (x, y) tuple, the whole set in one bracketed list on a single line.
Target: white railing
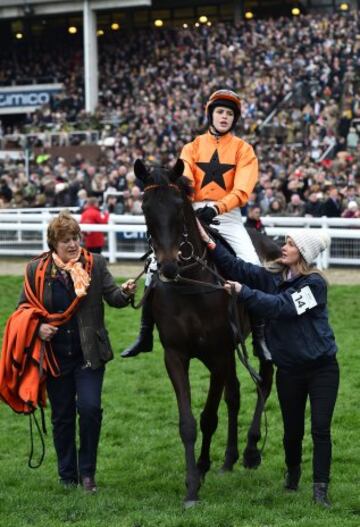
[(344, 234), (24, 233)]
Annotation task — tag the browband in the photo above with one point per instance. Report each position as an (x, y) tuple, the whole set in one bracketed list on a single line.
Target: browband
[(151, 187)]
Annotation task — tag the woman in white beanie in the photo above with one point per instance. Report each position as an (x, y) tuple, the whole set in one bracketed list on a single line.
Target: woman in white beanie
[(293, 302)]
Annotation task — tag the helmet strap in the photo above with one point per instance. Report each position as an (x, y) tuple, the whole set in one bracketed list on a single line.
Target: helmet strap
[(216, 133)]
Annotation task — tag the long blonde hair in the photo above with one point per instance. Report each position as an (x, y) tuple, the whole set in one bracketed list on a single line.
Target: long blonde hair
[(302, 268)]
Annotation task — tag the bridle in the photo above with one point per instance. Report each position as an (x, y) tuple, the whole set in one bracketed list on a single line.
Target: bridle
[(191, 261), (186, 248)]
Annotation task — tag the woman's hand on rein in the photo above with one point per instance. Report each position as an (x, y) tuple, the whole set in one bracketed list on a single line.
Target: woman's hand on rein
[(205, 236), (47, 331), (129, 287), (230, 286)]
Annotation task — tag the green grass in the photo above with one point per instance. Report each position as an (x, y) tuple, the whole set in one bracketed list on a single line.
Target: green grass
[(141, 459)]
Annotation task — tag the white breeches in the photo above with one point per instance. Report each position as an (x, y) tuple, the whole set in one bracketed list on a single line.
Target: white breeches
[(232, 229)]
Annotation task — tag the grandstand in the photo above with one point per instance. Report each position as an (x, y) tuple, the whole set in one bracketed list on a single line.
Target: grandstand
[(86, 90)]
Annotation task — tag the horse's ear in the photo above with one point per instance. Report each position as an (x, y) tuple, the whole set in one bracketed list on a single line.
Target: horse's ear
[(177, 171), (140, 170)]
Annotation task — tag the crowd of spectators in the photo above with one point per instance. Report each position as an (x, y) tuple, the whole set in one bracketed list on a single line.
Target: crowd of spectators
[(153, 87)]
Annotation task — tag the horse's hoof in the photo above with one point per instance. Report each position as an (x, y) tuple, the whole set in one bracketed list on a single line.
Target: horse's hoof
[(251, 459), (188, 504)]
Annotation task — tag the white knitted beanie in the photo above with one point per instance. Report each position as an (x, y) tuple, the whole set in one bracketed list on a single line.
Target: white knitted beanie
[(310, 242)]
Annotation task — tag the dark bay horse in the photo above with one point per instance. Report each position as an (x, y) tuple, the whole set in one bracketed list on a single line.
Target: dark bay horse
[(193, 321)]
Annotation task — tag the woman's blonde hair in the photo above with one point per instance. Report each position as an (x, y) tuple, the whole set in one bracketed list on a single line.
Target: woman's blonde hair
[(302, 268), (61, 227)]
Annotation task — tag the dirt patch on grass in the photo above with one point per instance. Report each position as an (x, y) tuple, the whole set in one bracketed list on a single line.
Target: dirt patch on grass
[(16, 267), (343, 276)]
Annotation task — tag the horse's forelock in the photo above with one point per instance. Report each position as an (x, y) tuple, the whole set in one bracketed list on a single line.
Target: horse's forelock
[(161, 176)]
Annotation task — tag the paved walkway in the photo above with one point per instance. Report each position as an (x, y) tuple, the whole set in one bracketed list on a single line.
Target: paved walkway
[(16, 267)]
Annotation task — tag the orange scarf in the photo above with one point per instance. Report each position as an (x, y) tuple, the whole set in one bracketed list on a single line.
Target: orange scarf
[(78, 274), (25, 358)]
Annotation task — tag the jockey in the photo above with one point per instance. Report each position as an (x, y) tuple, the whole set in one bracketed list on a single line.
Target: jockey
[(224, 170)]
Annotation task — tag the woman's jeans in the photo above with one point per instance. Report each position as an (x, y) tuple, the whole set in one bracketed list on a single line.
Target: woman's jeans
[(77, 392), (321, 385)]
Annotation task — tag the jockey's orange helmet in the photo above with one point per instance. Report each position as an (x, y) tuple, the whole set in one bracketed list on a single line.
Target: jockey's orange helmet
[(227, 98)]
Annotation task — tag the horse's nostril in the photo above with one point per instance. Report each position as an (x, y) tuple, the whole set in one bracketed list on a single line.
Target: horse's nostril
[(169, 269)]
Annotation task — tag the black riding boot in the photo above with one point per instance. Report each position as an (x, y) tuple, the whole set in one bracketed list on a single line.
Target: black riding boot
[(320, 494), (144, 342), (292, 478), (258, 339)]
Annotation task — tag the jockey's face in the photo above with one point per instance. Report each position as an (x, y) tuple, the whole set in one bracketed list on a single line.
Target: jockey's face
[(290, 254), (68, 248), (222, 119)]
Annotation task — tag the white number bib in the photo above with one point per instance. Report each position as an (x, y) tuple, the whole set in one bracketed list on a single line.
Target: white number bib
[(303, 300)]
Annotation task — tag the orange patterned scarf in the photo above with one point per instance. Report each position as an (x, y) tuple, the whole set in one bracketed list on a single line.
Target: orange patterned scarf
[(79, 276)]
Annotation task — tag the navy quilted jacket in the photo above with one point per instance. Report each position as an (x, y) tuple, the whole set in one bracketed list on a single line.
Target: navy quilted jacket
[(297, 329)]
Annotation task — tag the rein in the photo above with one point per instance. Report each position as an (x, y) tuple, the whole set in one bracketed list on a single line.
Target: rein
[(235, 322), (146, 292)]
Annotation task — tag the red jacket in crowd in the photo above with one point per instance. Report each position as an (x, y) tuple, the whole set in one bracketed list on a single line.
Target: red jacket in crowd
[(93, 215)]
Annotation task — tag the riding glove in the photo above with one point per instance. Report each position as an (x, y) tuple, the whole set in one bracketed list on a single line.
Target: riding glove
[(207, 214)]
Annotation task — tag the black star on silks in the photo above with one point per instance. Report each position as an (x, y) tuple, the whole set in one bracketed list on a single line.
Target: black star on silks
[(214, 171)]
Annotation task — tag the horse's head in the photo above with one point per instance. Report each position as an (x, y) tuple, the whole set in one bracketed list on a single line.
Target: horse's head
[(165, 200)]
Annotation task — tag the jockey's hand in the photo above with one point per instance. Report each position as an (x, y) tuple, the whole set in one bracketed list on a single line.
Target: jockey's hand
[(129, 287), (230, 286), (47, 331), (207, 214)]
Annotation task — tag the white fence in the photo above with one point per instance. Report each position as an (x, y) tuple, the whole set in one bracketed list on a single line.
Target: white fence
[(23, 233)]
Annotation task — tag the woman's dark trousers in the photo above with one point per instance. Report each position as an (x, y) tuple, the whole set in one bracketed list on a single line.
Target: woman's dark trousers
[(78, 392), (320, 384)]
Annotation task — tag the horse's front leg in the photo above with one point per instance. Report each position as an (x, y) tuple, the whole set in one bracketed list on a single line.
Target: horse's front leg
[(232, 399), (252, 455), (178, 370), (209, 418)]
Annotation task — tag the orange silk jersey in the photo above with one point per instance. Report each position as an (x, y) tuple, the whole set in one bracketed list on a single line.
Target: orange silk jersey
[(228, 170)]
